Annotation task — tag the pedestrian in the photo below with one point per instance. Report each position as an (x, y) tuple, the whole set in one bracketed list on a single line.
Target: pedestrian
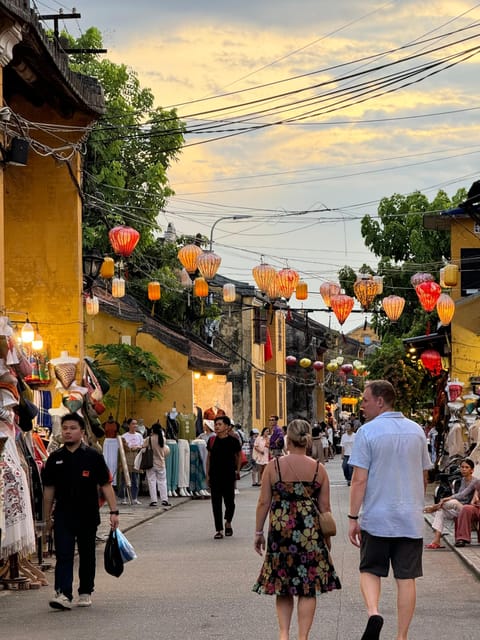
[(157, 475), (132, 443), (223, 469), (261, 451), (390, 460), (277, 440), (317, 446), (71, 477), (251, 459), (346, 443), (295, 489)]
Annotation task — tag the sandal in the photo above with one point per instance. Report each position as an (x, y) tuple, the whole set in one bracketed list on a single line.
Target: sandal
[(228, 531), (218, 535), (434, 545), (431, 509)]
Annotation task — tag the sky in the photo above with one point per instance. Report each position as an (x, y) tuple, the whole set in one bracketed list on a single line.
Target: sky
[(315, 114)]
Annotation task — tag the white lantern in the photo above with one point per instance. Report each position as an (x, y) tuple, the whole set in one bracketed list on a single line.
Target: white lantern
[(229, 293), (92, 305), (118, 287)]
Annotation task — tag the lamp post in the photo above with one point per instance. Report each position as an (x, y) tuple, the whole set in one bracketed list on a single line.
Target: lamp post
[(224, 218)]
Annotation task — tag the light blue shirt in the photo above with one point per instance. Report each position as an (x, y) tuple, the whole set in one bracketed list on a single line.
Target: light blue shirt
[(394, 451)]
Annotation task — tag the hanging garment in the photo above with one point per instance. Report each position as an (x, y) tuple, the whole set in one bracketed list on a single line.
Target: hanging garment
[(43, 400), (172, 429), (198, 453), (183, 464), (186, 426)]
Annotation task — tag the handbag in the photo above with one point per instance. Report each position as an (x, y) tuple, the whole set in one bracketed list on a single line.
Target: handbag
[(147, 457), (112, 558)]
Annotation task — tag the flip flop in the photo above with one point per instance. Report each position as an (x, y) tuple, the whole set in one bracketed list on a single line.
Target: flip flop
[(434, 545), (218, 535), (228, 531)]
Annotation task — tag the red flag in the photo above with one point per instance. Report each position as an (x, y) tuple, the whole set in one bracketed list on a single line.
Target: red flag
[(267, 347)]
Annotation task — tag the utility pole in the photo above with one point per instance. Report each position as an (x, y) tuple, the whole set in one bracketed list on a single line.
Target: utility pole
[(67, 16)]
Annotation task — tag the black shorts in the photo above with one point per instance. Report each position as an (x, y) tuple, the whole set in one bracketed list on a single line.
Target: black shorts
[(404, 554)]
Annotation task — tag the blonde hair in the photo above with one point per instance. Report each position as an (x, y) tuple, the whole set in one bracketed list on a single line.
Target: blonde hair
[(299, 433)]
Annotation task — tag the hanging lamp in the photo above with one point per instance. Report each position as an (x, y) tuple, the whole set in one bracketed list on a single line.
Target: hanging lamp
[(92, 306), (154, 291), (342, 306), (118, 287), (393, 307), (200, 287), (107, 270), (263, 274), (287, 280), (208, 263), (432, 361), (445, 309), (379, 282), (428, 293), (188, 256), (273, 287), (328, 290), (418, 278), (450, 275), (365, 289), (123, 240), (301, 292), (27, 332), (229, 292)]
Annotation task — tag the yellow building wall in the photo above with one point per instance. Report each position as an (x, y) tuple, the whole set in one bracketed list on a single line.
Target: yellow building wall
[(215, 393), (275, 384), (462, 237)]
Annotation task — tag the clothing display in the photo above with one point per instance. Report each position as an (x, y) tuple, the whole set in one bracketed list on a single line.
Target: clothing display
[(186, 426), (183, 464), (110, 453), (172, 466), (198, 459)]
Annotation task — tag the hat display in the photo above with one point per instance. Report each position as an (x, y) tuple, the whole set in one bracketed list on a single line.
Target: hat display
[(210, 424)]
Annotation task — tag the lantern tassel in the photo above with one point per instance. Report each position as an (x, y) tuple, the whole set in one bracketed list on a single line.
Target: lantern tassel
[(153, 310)]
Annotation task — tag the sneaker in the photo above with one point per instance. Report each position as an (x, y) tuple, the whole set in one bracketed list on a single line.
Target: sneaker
[(165, 503), (84, 600), (137, 502), (153, 504), (59, 601), (124, 502)]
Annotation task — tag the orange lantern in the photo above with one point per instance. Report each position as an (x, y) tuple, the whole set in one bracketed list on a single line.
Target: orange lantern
[(328, 290), (200, 288), (188, 256), (263, 274), (301, 292), (118, 287), (287, 280), (445, 309), (154, 291), (341, 305), (208, 263), (123, 240), (450, 275), (229, 293), (393, 307), (428, 294), (365, 289), (107, 270), (273, 288)]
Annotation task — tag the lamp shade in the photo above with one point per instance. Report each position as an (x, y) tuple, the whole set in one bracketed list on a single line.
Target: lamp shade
[(445, 309), (107, 270), (287, 281), (154, 291), (27, 332), (123, 240), (118, 287), (301, 292), (365, 289), (418, 278), (185, 279), (92, 306), (328, 290), (393, 307), (37, 342), (263, 274), (379, 282), (432, 361), (428, 293), (200, 287), (208, 263), (342, 306), (450, 275), (229, 292), (346, 368), (188, 256), (318, 365)]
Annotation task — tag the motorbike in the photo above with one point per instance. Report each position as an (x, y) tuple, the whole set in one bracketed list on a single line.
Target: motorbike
[(449, 479)]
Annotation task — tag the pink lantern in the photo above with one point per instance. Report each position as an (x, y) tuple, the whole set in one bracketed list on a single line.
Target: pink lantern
[(418, 278), (318, 365), (328, 290), (291, 361)]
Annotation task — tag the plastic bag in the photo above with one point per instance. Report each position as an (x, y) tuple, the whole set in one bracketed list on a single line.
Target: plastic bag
[(112, 558), (126, 549)]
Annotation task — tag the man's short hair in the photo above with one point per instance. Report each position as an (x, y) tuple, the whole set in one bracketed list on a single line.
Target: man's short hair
[(225, 419), (383, 389), (74, 417)]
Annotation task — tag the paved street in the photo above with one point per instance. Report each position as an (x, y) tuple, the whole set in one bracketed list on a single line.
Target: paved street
[(185, 584)]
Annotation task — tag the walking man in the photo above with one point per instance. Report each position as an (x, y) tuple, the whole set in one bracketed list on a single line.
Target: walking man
[(390, 461), (71, 478), (346, 443), (277, 437), (223, 469)]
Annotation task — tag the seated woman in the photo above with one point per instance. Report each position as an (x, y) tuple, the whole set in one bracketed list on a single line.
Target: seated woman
[(468, 516), (451, 506)]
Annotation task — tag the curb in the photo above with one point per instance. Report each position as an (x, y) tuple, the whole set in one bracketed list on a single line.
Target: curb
[(474, 568)]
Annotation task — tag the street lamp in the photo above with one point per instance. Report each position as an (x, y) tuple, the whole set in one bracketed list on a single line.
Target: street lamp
[(224, 218)]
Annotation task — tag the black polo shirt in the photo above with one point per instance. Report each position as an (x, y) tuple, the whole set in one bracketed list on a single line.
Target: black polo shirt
[(76, 477), (223, 458)]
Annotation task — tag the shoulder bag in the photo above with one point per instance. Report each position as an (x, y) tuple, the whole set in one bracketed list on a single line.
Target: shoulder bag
[(147, 457)]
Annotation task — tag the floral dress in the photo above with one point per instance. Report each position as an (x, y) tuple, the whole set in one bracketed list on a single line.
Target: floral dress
[(297, 561)]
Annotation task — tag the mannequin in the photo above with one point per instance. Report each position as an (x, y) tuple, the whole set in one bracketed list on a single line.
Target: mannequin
[(110, 446)]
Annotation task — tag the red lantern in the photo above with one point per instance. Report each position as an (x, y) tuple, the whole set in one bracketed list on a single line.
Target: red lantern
[(418, 278), (346, 368), (318, 365), (188, 256), (291, 360), (208, 263), (365, 289), (342, 305), (328, 290), (301, 292), (432, 361), (263, 274), (123, 240), (393, 307), (445, 308), (288, 280), (428, 294)]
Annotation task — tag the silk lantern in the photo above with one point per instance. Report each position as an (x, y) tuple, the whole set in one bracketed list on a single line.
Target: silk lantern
[(229, 293), (154, 291), (123, 240), (301, 292), (328, 290), (200, 287), (432, 361), (273, 288), (318, 365), (107, 270), (365, 289), (290, 361), (92, 306), (305, 363), (342, 306), (118, 287), (263, 274), (287, 280), (332, 366), (393, 307), (379, 282), (188, 256), (450, 275), (445, 309), (428, 294), (418, 278), (208, 263), (346, 368)]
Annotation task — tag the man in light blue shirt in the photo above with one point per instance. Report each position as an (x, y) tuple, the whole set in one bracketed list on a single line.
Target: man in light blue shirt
[(390, 460)]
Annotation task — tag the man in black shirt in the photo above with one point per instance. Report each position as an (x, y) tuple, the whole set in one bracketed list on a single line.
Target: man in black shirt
[(71, 478), (223, 468)]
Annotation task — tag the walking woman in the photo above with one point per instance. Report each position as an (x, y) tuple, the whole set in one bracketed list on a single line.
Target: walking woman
[(157, 475), (295, 488), (261, 451)]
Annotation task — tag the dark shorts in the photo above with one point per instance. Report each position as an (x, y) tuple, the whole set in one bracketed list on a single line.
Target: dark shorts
[(404, 554)]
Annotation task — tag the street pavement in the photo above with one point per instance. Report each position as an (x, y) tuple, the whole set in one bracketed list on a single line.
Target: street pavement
[(185, 584)]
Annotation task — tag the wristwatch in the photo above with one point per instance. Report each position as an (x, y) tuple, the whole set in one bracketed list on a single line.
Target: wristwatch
[(352, 517), (115, 513)]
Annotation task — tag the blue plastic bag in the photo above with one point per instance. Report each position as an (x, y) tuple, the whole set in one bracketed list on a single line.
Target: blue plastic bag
[(126, 550)]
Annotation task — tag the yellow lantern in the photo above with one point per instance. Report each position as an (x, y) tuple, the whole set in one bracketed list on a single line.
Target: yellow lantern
[(188, 256), (445, 309), (118, 287), (92, 306), (208, 263), (229, 293), (263, 274), (154, 291), (107, 270), (288, 280), (441, 278), (332, 366), (305, 363), (301, 292), (450, 275), (200, 287), (328, 290), (393, 307), (365, 289)]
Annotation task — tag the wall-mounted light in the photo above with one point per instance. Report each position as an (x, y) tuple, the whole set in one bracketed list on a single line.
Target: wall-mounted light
[(17, 153), (91, 265), (210, 376), (196, 375)]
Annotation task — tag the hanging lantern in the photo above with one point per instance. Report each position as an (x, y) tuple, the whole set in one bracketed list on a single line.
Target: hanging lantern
[(379, 282), (418, 278), (273, 287), (332, 366), (432, 361), (27, 332), (339, 359), (107, 270), (301, 292), (393, 307), (318, 365), (290, 361), (450, 275), (441, 278), (365, 289), (328, 290), (185, 279), (445, 309), (428, 293), (92, 306), (154, 291), (341, 305), (346, 368), (208, 263), (118, 287), (288, 280), (200, 288), (263, 274), (123, 240), (229, 293), (37, 342), (188, 256), (305, 363), (361, 369)]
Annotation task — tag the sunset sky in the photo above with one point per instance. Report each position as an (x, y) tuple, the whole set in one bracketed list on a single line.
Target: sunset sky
[(331, 125)]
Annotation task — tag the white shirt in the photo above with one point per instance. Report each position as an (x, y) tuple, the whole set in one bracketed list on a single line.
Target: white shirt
[(133, 440), (346, 442)]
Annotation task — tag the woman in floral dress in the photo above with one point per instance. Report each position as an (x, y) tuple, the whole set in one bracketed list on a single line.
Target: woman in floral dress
[(295, 488)]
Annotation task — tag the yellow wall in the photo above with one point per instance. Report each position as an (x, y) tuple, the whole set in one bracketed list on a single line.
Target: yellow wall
[(275, 393), (215, 393)]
